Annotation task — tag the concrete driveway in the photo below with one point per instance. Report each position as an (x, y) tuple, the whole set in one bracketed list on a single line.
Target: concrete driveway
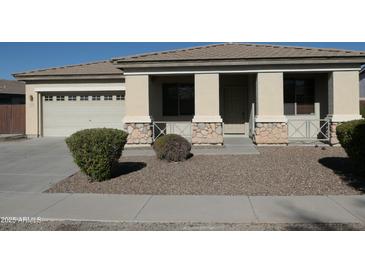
[(34, 165)]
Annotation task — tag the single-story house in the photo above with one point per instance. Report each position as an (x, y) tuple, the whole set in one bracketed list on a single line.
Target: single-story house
[(12, 107), (272, 94)]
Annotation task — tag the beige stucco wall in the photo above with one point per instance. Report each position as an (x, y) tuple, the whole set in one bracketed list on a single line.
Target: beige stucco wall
[(270, 97), (207, 98), (33, 108), (31, 111), (137, 99), (343, 94)]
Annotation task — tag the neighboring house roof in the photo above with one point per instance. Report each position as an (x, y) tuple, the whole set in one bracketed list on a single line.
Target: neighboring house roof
[(11, 87), (101, 69)]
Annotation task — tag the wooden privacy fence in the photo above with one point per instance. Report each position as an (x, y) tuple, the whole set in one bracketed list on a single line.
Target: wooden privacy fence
[(12, 119)]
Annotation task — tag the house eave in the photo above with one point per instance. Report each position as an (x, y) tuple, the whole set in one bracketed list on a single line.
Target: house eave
[(243, 62), (26, 78)]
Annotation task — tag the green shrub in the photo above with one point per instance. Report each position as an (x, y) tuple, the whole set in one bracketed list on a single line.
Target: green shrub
[(352, 138), (172, 147), (96, 151)]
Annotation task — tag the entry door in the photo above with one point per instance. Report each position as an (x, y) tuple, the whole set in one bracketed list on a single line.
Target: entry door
[(234, 110)]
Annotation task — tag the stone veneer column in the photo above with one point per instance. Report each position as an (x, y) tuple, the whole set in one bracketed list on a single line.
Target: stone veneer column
[(137, 120), (270, 123), (207, 123), (343, 100)]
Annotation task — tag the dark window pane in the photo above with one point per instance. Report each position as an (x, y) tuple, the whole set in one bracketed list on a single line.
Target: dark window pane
[(299, 93), (178, 99), (305, 97), (289, 97), (170, 101), (186, 95), (289, 108)]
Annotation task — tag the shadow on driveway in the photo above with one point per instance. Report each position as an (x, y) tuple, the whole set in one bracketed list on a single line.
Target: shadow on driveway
[(342, 166)]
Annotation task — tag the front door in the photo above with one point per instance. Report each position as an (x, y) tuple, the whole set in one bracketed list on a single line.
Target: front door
[(234, 110)]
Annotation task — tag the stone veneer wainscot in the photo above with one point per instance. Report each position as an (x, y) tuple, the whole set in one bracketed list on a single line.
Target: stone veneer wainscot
[(139, 133), (271, 133), (207, 133)]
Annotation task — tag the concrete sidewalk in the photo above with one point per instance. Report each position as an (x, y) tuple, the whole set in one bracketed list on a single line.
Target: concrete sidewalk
[(204, 209)]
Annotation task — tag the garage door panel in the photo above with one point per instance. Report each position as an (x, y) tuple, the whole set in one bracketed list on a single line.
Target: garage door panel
[(62, 118)]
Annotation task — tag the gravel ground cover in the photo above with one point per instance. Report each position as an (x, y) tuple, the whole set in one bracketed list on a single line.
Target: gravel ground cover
[(276, 171), (101, 226)]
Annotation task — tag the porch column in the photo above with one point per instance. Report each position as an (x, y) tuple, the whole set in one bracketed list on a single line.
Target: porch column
[(137, 120), (270, 123), (207, 122), (343, 97)]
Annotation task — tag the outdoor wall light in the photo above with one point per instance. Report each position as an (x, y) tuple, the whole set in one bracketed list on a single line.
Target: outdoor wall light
[(31, 98)]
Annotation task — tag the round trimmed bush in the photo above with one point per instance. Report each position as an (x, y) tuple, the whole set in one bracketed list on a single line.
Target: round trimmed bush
[(97, 150), (352, 138), (172, 147)]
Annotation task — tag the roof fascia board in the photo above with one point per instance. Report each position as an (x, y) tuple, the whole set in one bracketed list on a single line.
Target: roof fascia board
[(67, 77), (329, 69), (244, 69), (354, 60)]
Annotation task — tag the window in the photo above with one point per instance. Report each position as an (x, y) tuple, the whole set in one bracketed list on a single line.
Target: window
[(60, 98), (178, 99), (96, 98), (48, 98), (84, 98), (108, 98), (299, 96), (119, 97), (72, 98)]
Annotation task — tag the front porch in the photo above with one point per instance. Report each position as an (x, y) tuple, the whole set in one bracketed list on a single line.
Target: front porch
[(270, 108)]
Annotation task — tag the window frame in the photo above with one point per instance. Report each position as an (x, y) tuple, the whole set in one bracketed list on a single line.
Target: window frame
[(110, 97), (165, 86), (96, 98), (60, 98), (84, 98), (295, 103), (119, 97), (48, 98), (73, 97)]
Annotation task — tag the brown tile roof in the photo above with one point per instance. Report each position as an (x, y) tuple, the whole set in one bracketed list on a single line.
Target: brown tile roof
[(95, 68), (236, 51), (11, 87)]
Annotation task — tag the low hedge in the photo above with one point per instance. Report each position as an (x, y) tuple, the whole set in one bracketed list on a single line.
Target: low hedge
[(96, 151), (352, 138), (172, 147)]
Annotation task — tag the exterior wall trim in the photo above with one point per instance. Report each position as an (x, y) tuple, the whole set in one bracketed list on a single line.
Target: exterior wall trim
[(207, 119), (136, 119), (271, 119), (75, 88), (238, 71)]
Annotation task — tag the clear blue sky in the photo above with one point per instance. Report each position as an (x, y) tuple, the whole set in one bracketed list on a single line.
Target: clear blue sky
[(17, 57)]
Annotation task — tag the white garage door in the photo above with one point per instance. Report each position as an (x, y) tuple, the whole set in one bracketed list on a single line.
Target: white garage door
[(64, 114)]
